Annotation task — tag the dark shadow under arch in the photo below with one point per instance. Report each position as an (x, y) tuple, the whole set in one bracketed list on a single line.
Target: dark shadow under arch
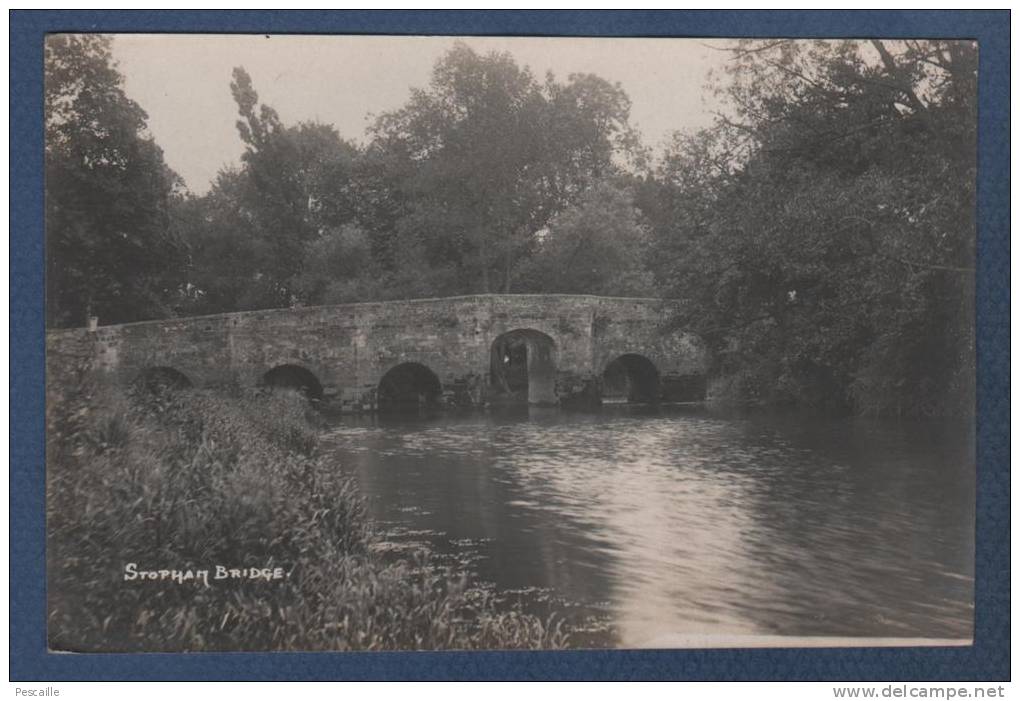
[(293, 377), (407, 388), (161, 379), (632, 378), (522, 367)]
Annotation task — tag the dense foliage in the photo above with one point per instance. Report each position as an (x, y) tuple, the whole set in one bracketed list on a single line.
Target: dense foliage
[(188, 481), (251, 235), (822, 230), (110, 249), (824, 234)]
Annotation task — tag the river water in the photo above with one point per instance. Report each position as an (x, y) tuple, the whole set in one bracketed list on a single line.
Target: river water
[(648, 527)]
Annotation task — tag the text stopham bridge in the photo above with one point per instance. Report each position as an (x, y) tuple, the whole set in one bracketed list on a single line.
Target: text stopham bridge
[(462, 351)]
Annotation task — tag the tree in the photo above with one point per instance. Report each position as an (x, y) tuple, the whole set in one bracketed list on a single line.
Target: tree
[(598, 246), (829, 245), (481, 159), (110, 252), (338, 267), (294, 186), (227, 257), (448, 198), (250, 236)]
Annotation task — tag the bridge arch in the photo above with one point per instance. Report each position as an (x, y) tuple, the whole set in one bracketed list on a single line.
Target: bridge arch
[(631, 377), (295, 377), (408, 387), (161, 378), (522, 367)]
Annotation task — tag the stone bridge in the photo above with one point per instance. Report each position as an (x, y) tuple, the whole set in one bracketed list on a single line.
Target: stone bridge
[(473, 350)]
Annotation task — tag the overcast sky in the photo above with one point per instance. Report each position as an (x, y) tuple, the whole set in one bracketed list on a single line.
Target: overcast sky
[(183, 82)]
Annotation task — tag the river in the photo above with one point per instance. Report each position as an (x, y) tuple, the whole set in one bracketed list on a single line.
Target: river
[(646, 527)]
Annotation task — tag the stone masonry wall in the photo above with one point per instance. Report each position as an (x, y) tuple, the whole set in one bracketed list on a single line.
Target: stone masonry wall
[(350, 347)]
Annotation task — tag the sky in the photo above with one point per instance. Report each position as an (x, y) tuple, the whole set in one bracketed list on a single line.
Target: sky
[(183, 82)]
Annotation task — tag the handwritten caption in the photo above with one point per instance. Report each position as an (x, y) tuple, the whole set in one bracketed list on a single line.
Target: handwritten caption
[(218, 573)]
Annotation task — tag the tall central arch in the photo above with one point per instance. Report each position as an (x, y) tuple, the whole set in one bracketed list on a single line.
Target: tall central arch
[(523, 367)]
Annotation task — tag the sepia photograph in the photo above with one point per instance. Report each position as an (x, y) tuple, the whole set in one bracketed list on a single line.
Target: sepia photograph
[(376, 343)]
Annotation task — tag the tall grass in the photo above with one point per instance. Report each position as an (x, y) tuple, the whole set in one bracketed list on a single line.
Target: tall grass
[(192, 480)]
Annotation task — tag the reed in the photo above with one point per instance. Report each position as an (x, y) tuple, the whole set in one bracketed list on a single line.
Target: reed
[(187, 482)]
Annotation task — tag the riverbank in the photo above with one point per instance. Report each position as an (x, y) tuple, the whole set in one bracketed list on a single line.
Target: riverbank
[(202, 521)]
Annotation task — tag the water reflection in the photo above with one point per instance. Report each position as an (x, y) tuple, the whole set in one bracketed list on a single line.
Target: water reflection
[(677, 523)]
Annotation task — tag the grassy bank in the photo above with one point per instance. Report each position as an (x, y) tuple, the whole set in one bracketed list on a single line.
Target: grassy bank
[(193, 480)]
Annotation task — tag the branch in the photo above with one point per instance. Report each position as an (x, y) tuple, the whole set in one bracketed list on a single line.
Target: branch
[(796, 74), (738, 52), (904, 84)]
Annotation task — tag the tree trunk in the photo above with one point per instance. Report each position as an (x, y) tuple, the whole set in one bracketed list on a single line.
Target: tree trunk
[(903, 82)]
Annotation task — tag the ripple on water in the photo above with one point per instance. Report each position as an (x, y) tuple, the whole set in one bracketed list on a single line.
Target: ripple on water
[(691, 523)]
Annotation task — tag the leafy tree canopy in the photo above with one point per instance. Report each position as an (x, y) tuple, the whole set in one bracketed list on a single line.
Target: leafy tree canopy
[(251, 233), (825, 232), (486, 155), (110, 252), (598, 246)]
